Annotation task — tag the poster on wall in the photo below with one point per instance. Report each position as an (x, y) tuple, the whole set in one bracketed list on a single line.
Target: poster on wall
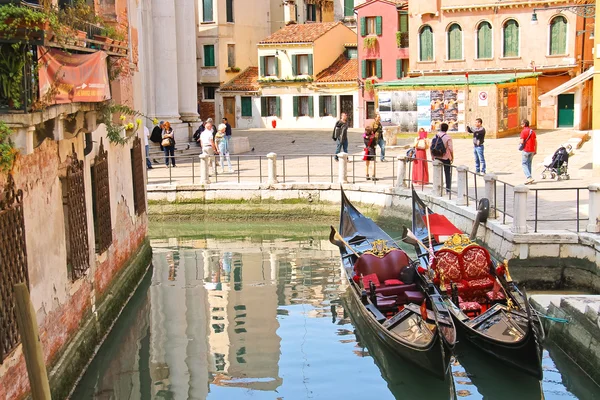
[(513, 108), (385, 102), (423, 110)]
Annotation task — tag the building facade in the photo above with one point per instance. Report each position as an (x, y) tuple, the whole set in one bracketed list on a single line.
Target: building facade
[(285, 12)]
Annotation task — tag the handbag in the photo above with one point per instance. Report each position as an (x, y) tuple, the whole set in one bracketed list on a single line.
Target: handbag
[(366, 154), (166, 142), (421, 144)]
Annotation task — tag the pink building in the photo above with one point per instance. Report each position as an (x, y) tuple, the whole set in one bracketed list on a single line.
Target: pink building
[(382, 49)]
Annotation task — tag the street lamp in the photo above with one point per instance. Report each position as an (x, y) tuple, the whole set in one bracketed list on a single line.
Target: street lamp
[(582, 10), (534, 20)]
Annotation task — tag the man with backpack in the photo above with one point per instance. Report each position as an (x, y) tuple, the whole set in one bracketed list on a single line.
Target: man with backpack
[(340, 134), (441, 149)]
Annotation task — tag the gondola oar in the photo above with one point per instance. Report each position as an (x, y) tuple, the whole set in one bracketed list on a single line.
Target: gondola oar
[(335, 238), (407, 234)]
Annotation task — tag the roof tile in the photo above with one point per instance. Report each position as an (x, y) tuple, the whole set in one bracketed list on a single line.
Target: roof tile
[(342, 70), (246, 81), (300, 33)]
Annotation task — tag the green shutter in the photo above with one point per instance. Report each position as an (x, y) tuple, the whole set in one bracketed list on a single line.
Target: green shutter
[(558, 36), (310, 64), (295, 105), (263, 107), (207, 10), (277, 66), (378, 68), (311, 106), (378, 27), (261, 66), (426, 44), (294, 65), (403, 22), (321, 106), (246, 106), (484, 40), (399, 69), (278, 106), (363, 67), (229, 7), (348, 8), (511, 39), (363, 26), (209, 55), (333, 106), (455, 42)]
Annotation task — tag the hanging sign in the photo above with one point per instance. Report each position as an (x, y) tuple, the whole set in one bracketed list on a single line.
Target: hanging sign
[(483, 98)]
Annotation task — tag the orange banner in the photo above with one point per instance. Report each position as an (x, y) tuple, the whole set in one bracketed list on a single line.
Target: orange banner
[(73, 77)]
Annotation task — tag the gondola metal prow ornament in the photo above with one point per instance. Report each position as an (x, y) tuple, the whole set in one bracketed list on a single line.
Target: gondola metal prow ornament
[(334, 235)]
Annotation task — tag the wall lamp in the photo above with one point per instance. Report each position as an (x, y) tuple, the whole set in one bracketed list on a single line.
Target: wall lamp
[(591, 37), (582, 10), (284, 51)]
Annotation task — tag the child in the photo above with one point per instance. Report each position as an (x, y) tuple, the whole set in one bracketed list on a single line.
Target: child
[(369, 152)]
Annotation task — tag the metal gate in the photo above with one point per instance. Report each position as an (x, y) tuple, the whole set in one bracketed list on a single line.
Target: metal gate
[(13, 263), (139, 182), (79, 256), (101, 200)]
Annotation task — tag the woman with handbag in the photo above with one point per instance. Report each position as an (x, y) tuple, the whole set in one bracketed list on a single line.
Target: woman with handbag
[(168, 143), (369, 152), (420, 172), (528, 148)]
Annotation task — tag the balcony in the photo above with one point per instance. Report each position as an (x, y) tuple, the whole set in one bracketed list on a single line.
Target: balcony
[(402, 40)]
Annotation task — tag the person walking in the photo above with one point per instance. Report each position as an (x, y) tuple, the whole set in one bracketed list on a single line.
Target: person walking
[(528, 147), (420, 172), (227, 127), (378, 131), (441, 149), (478, 132), (168, 143), (208, 144), (369, 152), (222, 144), (146, 137), (340, 134)]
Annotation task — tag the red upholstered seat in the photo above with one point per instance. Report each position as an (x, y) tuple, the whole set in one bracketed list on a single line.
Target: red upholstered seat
[(390, 282), (476, 268), (447, 262), (470, 308), (499, 295), (414, 297), (387, 270), (370, 278)]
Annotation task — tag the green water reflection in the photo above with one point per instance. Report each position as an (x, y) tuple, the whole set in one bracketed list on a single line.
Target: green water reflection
[(225, 317)]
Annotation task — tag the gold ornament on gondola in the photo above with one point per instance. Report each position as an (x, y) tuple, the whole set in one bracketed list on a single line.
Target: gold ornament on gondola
[(457, 242), (380, 248)]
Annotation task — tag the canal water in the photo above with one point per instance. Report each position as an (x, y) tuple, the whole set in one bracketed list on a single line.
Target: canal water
[(263, 316)]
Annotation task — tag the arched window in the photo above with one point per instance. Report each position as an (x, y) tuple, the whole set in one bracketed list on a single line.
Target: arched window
[(558, 36), (455, 42), (426, 43), (484, 40), (511, 39)]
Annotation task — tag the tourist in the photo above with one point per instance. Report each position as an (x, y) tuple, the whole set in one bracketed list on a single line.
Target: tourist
[(528, 147), (208, 144), (340, 134), (370, 140), (168, 143), (147, 146), (441, 149), (228, 128), (222, 142), (156, 135), (478, 132), (198, 132), (378, 131), (420, 172)]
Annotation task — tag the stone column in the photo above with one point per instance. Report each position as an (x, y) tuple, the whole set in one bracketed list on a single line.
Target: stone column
[(401, 180), (343, 167), (165, 60), (272, 162), (462, 185), (594, 213), (490, 193), (520, 210), (204, 159), (438, 170), (187, 70)]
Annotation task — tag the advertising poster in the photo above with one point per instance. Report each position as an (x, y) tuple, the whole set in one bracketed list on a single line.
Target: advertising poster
[(423, 110), (513, 108), (385, 102)]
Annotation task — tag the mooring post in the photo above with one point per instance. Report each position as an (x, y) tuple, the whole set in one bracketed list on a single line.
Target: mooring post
[(272, 157), (204, 180), (520, 209), (401, 180), (462, 185), (437, 177), (32, 347), (594, 213), (343, 167), (490, 193)]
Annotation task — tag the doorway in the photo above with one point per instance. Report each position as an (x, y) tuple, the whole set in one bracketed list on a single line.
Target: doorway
[(229, 108), (566, 110), (347, 106)]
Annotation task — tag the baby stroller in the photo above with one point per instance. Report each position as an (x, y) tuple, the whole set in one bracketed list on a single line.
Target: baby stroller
[(557, 167)]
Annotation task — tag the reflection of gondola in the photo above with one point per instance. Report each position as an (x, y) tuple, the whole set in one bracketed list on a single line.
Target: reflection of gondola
[(488, 308), (403, 380), (390, 297)]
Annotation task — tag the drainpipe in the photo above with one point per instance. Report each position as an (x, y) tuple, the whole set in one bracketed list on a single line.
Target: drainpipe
[(596, 98)]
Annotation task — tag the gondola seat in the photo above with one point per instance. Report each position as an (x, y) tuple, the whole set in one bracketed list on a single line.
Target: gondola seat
[(492, 297), (470, 308), (384, 272), (447, 265), (476, 270), (413, 296)]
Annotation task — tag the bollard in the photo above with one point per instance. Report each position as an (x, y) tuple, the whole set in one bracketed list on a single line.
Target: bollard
[(490, 193), (438, 170), (462, 185), (402, 168), (519, 224), (594, 213), (343, 167), (204, 180), (272, 166)]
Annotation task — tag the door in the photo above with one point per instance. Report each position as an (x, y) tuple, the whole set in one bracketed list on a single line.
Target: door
[(347, 106), (566, 110), (229, 106)]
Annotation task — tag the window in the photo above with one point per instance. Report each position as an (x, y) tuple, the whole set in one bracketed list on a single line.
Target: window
[(403, 30), (302, 64), (311, 13), (371, 68), (370, 110), (231, 55), (348, 8), (209, 55), (229, 6), (484, 40), (270, 106), (402, 68), (303, 106), (327, 106), (269, 66), (352, 53), (207, 10), (558, 36), (246, 106), (511, 39), (455, 42), (370, 26), (209, 92), (426, 43)]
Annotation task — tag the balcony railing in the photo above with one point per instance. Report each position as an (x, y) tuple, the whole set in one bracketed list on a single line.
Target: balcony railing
[(402, 39)]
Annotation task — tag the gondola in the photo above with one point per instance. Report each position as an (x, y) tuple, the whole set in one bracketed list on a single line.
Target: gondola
[(488, 308), (407, 314)]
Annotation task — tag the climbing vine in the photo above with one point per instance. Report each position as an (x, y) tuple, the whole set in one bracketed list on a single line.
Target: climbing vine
[(130, 121), (8, 152)]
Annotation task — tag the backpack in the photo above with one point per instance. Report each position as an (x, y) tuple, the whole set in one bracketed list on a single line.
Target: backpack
[(337, 131), (198, 132), (438, 148)]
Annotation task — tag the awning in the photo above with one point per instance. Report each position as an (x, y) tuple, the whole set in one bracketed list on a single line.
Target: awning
[(568, 85), (457, 80)]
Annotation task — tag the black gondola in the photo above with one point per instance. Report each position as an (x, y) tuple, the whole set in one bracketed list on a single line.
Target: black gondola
[(488, 308), (408, 315)]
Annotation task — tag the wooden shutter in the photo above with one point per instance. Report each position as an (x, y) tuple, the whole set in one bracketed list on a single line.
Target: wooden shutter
[(399, 69), (209, 56), (403, 22), (263, 107), (278, 106), (363, 67), (261, 66), (334, 105), (321, 106), (229, 6), (294, 64), (348, 8), (378, 68), (558, 36), (310, 64), (311, 106), (454, 42), (246, 106), (378, 27), (511, 39), (363, 26), (426, 44), (207, 10), (484, 40), (276, 66), (295, 105)]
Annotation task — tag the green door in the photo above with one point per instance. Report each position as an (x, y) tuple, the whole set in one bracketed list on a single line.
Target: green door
[(566, 112)]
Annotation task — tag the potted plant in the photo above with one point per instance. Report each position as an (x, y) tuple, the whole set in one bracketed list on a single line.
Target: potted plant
[(12, 63)]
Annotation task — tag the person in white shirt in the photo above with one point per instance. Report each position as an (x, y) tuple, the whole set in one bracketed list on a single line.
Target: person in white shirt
[(208, 144), (146, 136)]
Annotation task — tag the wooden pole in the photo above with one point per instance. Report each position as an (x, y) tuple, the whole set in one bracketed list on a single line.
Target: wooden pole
[(32, 347)]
